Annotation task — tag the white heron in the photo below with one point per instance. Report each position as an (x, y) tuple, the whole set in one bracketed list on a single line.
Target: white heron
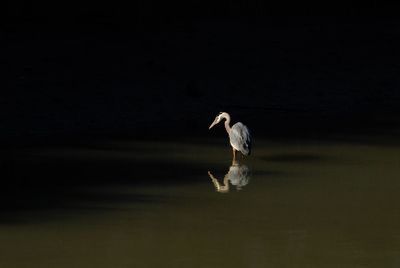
[(239, 135)]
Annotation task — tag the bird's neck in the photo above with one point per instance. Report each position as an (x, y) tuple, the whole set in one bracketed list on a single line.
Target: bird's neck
[(227, 127), (227, 122)]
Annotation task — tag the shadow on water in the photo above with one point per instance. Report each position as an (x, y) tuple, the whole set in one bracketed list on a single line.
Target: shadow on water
[(86, 179)]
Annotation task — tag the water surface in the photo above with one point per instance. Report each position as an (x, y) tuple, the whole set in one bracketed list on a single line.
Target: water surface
[(155, 204)]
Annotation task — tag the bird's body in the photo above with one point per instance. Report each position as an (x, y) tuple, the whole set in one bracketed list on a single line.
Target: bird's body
[(240, 138), (239, 135)]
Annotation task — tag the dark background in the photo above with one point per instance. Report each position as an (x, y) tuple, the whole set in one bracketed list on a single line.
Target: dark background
[(159, 70)]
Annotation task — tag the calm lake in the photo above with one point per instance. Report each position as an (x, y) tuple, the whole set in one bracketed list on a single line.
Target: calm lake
[(130, 203)]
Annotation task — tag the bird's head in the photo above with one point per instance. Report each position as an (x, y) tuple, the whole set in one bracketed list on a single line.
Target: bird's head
[(217, 119)]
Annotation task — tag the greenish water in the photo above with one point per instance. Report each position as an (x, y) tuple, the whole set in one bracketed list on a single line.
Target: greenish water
[(154, 204)]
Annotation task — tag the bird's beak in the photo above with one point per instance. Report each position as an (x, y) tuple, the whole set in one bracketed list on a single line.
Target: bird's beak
[(213, 124)]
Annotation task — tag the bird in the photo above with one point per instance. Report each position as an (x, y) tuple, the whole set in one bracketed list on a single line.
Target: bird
[(239, 135)]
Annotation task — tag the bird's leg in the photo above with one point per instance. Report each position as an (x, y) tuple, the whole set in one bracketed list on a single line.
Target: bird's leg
[(234, 162)]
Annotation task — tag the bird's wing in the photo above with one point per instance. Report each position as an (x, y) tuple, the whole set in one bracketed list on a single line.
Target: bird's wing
[(241, 138)]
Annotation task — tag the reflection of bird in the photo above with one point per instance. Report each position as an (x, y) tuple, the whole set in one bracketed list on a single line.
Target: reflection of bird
[(239, 135), (238, 175)]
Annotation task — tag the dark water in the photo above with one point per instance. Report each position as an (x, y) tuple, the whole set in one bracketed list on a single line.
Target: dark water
[(180, 204)]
